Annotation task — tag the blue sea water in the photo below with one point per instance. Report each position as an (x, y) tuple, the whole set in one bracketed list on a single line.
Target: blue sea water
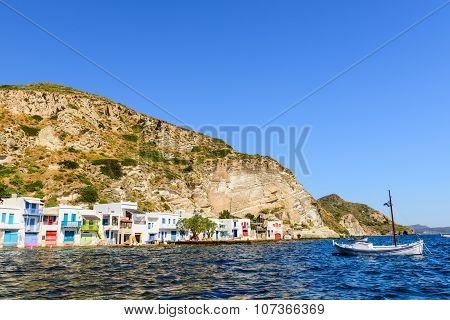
[(282, 270)]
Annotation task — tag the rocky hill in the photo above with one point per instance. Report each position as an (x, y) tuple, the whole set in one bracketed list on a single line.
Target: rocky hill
[(69, 146), (355, 218)]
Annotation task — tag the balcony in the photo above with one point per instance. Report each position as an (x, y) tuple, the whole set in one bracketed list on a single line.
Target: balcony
[(32, 228), (89, 228), (33, 212), (111, 227), (9, 226), (125, 226), (70, 224)]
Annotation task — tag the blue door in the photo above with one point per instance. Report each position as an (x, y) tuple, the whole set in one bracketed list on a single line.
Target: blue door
[(31, 239), (152, 236), (69, 236), (10, 238), (173, 235), (235, 233), (3, 217), (11, 218)]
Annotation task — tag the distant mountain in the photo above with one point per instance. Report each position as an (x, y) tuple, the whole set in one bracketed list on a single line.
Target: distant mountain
[(421, 229), (355, 218)]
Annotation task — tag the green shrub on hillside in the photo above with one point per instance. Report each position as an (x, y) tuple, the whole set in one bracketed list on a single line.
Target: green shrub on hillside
[(88, 194), (127, 162), (150, 144), (152, 155), (72, 106), (41, 86), (83, 179), (220, 153), (196, 149), (110, 167), (51, 202), (146, 206), (250, 216), (30, 131), (130, 137), (225, 214), (137, 128), (218, 140), (171, 175), (16, 180), (68, 164), (39, 194), (34, 186), (180, 161), (6, 171), (5, 191), (37, 117)]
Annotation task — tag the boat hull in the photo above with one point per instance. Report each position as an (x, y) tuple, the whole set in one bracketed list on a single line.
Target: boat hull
[(445, 235), (415, 248)]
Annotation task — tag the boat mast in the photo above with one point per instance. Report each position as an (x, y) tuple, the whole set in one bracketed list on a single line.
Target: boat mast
[(392, 219)]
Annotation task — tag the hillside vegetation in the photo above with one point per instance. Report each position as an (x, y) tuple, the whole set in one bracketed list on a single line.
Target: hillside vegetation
[(70, 146), (372, 222)]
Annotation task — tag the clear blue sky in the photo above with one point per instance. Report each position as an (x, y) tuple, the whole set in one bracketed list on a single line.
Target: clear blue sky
[(384, 124)]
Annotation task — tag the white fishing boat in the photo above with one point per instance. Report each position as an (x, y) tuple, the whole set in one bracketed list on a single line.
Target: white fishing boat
[(365, 248), (445, 235)]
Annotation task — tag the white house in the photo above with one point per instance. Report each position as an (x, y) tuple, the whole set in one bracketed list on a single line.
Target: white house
[(69, 225), (139, 232), (228, 229), (115, 222), (11, 226), (274, 230), (29, 215), (223, 229), (166, 224), (152, 227)]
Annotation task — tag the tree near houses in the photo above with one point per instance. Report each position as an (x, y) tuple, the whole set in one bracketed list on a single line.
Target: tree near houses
[(181, 226), (210, 228), (250, 216), (197, 225)]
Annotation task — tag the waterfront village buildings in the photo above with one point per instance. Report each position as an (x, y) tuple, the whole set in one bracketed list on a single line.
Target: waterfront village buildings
[(25, 223)]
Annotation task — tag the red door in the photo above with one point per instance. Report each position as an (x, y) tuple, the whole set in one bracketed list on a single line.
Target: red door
[(277, 236), (245, 233), (50, 238)]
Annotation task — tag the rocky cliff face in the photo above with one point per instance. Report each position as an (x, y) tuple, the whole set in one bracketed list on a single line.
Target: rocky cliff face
[(71, 146), (357, 218)]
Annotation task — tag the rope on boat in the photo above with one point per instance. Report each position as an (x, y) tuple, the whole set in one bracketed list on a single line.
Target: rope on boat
[(429, 251)]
